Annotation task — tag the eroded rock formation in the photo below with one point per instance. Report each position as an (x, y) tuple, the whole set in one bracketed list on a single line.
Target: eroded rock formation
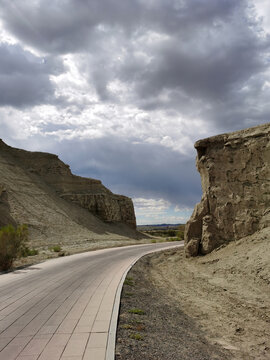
[(235, 175), (37, 182)]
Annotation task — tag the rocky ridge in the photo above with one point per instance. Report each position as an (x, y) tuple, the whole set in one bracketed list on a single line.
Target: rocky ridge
[(39, 189), (235, 177)]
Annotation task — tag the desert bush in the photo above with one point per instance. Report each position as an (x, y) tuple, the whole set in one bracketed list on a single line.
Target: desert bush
[(136, 336), (136, 311), (29, 252), (56, 248), (12, 244), (129, 281)]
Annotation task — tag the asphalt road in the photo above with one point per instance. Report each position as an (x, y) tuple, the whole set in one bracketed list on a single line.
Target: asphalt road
[(66, 308)]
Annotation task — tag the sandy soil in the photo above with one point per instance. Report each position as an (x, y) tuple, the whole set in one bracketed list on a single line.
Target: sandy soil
[(211, 307)]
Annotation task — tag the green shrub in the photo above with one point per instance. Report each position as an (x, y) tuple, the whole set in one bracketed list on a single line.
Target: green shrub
[(56, 248), (136, 336), (29, 252), (12, 244), (129, 281), (136, 311), (32, 252)]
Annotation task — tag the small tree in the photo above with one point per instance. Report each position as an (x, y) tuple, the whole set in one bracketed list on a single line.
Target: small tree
[(12, 244)]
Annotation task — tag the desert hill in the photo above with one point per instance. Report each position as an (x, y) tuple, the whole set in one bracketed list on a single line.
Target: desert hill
[(39, 190)]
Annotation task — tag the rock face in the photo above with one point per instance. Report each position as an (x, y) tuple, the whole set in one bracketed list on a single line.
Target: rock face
[(38, 189), (107, 206), (235, 175), (87, 193)]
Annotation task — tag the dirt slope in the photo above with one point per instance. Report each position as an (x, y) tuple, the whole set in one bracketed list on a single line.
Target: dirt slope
[(224, 298)]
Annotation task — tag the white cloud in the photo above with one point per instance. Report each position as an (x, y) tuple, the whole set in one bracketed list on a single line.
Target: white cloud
[(263, 10), (156, 211), (182, 209), (147, 205), (5, 36)]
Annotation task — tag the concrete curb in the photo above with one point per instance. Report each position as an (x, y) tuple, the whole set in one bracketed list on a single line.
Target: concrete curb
[(110, 349)]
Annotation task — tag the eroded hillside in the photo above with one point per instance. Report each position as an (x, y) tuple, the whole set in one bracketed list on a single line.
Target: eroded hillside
[(39, 190)]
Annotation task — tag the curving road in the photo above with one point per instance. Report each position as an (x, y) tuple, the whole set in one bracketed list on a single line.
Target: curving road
[(66, 308)]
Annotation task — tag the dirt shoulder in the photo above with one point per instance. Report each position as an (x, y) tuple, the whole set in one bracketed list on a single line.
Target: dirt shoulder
[(46, 252), (212, 307)]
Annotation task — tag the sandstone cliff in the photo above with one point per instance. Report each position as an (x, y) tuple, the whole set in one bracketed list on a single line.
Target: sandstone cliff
[(235, 177), (38, 189)]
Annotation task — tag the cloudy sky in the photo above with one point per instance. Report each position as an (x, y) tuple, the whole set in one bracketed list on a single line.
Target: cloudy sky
[(121, 90)]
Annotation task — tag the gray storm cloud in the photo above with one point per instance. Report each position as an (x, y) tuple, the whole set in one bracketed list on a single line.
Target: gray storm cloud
[(24, 77), (131, 84), (206, 51)]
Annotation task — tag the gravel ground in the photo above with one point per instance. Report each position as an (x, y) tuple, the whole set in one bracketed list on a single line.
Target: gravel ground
[(210, 307), (163, 331)]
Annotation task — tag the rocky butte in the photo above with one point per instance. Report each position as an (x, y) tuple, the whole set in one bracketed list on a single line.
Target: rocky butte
[(235, 176), (38, 189)]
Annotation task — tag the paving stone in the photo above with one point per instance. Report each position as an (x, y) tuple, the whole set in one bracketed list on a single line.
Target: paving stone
[(52, 353), (94, 354), (35, 347), (101, 326), (63, 311), (97, 340), (76, 345)]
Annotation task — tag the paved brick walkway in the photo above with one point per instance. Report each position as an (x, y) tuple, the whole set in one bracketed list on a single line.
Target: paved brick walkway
[(62, 309)]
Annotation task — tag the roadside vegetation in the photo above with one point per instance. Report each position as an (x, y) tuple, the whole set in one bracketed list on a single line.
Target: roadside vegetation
[(13, 245), (132, 323), (29, 252), (168, 233), (56, 248)]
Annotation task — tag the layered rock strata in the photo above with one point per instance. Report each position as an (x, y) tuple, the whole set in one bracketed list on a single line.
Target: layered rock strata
[(88, 193), (235, 176)]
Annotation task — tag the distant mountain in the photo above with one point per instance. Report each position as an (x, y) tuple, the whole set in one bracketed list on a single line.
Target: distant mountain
[(157, 227)]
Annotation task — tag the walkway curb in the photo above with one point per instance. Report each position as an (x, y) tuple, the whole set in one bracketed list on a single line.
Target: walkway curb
[(111, 341)]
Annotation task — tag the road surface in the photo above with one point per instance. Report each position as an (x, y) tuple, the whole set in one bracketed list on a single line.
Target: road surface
[(66, 308)]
